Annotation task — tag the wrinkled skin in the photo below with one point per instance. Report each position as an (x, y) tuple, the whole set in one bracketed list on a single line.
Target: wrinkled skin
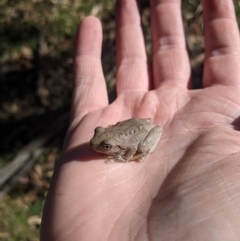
[(189, 187)]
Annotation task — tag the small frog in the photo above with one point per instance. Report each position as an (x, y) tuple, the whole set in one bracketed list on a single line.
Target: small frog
[(128, 140)]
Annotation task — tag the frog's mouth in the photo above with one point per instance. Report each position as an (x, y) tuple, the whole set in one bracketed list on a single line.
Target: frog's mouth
[(108, 149), (95, 147)]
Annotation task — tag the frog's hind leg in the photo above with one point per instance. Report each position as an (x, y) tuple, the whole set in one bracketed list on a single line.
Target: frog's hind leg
[(150, 141)]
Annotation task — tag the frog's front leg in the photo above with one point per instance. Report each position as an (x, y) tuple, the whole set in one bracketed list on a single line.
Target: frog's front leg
[(149, 143), (129, 153), (125, 157)]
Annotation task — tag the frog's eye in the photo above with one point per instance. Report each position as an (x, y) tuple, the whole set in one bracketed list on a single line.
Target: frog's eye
[(107, 146)]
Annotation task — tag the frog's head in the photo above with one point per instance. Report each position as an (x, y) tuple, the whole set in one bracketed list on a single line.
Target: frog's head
[(103, 142)]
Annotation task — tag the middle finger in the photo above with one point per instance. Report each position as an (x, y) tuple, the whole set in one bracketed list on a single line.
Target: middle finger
[(132, 65), (170, 58)]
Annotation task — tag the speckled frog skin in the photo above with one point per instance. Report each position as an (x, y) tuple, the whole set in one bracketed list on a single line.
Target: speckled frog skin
[(128, 140)]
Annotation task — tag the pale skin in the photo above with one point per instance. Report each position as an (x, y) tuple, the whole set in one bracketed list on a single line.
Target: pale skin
[(189, 187)]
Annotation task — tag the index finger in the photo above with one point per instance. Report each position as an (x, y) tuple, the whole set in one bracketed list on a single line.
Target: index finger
[(89, 88)]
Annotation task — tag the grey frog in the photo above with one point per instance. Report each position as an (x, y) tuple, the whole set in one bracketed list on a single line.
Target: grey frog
[(128, 140)]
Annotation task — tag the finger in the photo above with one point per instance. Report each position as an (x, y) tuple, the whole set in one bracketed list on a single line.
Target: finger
[(89, 89), (132, 72), (170, 58), (221, 43)]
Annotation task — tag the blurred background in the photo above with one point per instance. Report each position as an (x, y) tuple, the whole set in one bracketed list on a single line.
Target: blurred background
[(36, 47)]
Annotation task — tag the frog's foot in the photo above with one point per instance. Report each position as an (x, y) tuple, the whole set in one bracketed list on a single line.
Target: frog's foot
[(108, 160), (138, 157), (112, 159)]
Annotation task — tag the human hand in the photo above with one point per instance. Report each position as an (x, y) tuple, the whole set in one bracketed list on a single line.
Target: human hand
[(188, 188)]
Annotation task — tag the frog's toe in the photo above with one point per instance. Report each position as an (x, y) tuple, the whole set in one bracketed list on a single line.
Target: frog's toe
[(138, 158)]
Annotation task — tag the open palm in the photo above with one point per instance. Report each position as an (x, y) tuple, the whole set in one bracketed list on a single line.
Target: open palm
[(188, 188)]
